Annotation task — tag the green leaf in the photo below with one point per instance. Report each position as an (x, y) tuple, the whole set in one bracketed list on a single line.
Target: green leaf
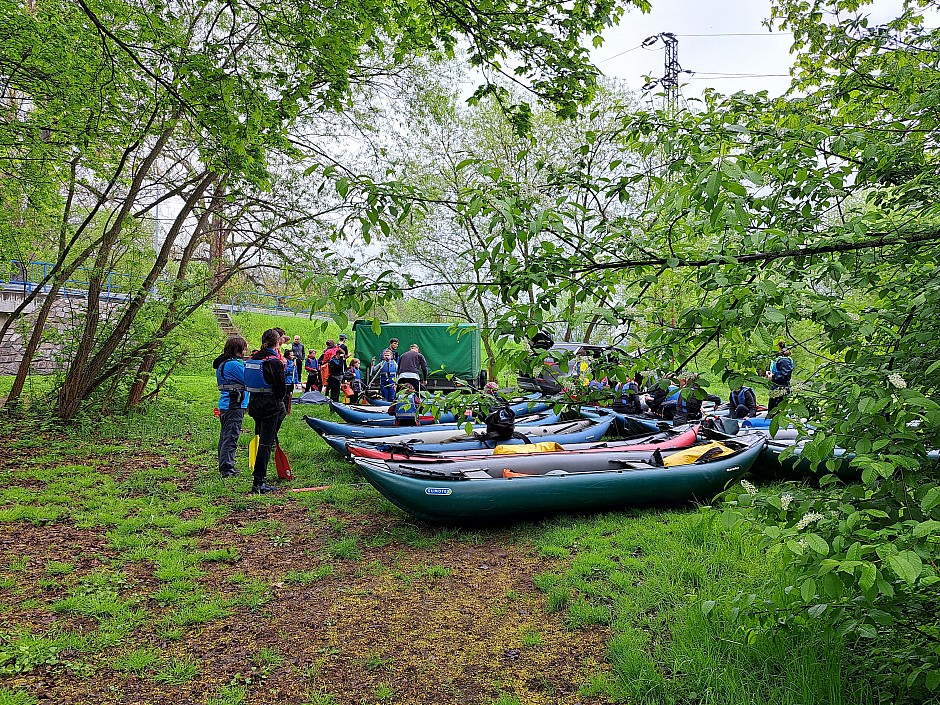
[(808, 589), (933, 679), (907, 565), (931, 499), (866, 578), (926, 527), (708, 606), (817, 543)]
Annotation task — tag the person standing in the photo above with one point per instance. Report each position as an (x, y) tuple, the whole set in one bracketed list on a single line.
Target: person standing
[(353, 382), (264, 379), (387, 373), (779, 374), (342, 344), (290, 368), (324, 361), (300, 352), (393, 349), (413, 367), (337, 367), (312, 368), (233, 400)]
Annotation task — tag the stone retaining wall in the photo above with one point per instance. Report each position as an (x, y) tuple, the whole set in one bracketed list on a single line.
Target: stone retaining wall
[(63, 324)]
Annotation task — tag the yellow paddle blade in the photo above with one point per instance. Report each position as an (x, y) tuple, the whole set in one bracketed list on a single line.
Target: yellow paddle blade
[(253, 452)]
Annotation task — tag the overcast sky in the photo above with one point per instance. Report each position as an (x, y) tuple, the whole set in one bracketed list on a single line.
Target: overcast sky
[(719, 40)]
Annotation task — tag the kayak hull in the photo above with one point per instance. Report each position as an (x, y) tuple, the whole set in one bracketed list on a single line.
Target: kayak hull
[(370, 430), (659, 441), (446, 499), (583, 431), (357, 413)]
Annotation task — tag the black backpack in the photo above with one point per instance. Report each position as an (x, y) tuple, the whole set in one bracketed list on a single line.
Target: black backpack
[(501, 426), (501, 423)]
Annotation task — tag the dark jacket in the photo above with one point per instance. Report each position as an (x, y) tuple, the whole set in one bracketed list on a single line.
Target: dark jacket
[(262, 406), (744, 397), (781, 371), (300, 352), (337, 366), (413, 362)]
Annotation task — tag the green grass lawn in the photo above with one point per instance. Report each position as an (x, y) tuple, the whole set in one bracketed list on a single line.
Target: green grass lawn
[(131, 573)]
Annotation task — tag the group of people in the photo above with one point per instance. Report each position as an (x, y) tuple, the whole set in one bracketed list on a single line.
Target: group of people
[(263, 383), (256, 384), (410, 368), (680, 402)]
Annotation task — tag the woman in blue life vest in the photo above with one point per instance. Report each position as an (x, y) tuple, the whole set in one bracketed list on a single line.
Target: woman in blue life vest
[(265, 380), (779, 374), (405, 409), (743, 402), (387, 373), (233, 400)]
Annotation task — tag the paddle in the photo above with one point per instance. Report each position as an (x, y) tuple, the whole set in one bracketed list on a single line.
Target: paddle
[(282, 464), (253, 452)]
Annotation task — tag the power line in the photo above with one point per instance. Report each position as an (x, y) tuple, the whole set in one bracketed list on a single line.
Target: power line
[(638, 46), (743, 75), (736, 74), (739, 34)]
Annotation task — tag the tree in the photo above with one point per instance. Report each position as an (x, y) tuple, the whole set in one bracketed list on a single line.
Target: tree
[(812, 217), (109, 99)]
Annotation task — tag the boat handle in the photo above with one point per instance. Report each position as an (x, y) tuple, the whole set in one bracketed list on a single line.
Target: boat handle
[(733, 468)]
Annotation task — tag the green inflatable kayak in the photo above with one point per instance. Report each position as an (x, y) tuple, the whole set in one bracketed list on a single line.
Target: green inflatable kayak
[(474, 494)]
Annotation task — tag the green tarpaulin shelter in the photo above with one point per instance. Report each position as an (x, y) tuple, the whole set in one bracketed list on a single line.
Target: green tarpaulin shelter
[(455, 348)]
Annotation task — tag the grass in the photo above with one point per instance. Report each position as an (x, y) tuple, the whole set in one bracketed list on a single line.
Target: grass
[(148, 566)]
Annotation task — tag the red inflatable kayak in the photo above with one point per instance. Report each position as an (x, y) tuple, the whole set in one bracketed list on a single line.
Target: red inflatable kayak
[(658, 441)]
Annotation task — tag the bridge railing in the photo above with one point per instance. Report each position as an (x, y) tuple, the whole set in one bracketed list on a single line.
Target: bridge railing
[(274, 304), (29, 275)]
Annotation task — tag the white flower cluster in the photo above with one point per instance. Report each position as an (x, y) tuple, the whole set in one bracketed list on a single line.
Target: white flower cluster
[(688, 376), (748, 487), (807, 520), (785, 501), (897, 380), (805, 312)]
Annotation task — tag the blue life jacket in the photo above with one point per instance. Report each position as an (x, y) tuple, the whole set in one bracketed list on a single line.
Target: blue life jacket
[(387, 372), (290, 371), (740, 398), (407, 408), (230, 377), (673, 395), (254, 375)]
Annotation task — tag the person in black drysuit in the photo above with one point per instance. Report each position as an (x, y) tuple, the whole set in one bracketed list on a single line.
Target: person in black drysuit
[(629, 400), (688, 405), (264, 379), (743, 402), (412, 367), (337, 367)]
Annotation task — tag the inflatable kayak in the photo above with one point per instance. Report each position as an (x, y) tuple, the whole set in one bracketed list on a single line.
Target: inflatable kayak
[(475, 493), (666, 440), (578, 431)]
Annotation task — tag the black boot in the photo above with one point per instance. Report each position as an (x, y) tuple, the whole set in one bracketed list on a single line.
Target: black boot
[(263, 488)]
